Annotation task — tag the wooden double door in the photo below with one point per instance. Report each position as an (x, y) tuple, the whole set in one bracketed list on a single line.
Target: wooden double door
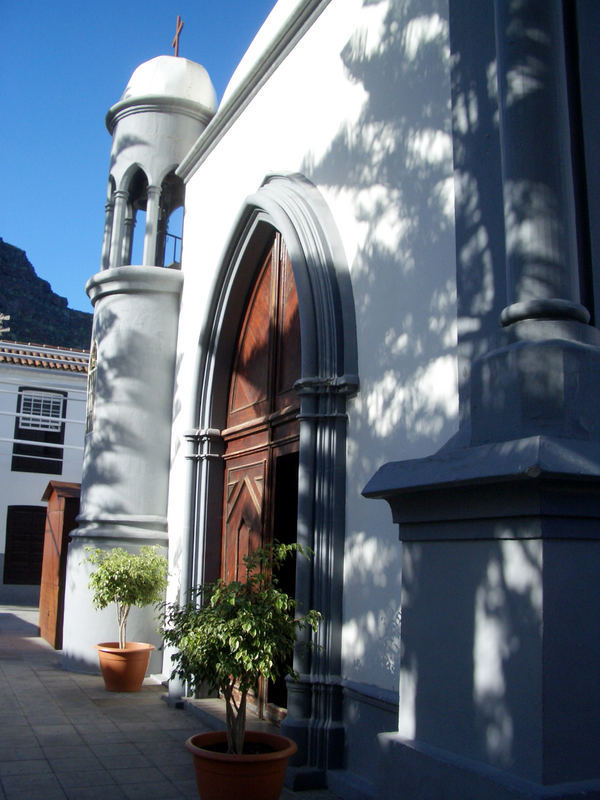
[(260, 497)]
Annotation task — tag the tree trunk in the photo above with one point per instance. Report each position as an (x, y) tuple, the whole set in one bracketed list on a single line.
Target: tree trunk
[(236, 722), (122, 612)]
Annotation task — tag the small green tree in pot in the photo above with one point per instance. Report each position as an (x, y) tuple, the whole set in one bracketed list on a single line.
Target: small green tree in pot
[(125, 579), (240, 631)]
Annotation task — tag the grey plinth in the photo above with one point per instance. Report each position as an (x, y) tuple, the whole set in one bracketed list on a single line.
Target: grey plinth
[(500, 630)]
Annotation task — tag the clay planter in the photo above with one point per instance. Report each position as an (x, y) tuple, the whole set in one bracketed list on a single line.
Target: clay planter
[(123, 670), (223, 776)]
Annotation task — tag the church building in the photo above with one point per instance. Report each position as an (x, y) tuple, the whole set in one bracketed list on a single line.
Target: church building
[(379, 338)]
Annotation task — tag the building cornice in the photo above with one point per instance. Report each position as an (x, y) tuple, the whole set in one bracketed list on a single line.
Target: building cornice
[(156, 104), (134, 280), (290, 34)]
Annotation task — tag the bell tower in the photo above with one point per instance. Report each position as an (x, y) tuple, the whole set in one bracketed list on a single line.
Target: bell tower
[(165, 107)]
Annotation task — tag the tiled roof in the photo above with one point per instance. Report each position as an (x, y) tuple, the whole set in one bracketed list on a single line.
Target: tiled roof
[(64, 359)]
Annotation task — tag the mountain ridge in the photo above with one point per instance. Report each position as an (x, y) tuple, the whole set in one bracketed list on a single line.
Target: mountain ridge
[(37, 314)]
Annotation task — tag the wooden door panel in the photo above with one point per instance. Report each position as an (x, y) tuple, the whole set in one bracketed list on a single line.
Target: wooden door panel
[(61, 519), (288, 340), (262, 429), (249, 392), (243, 521)]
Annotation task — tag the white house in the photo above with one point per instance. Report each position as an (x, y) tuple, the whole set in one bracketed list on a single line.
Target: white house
[(42, 417), (387, 299)]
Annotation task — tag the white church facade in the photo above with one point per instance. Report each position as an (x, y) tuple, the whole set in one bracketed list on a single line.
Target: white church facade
[(387, 300)]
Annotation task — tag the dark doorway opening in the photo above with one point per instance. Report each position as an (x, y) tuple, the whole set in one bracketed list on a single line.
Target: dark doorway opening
[(285, 520), (25, 527)]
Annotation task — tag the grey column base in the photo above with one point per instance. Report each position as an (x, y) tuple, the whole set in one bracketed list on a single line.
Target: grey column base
[(84, 625), (122, 530), (410, 770)]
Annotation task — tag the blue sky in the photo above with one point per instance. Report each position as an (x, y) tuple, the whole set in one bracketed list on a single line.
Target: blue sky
[(62, 65)]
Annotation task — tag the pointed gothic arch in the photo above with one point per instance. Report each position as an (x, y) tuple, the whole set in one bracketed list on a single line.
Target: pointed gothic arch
[(293, 207)]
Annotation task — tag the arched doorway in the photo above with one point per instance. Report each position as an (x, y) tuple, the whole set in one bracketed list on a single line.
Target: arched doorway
[(314, 464), (261, 437)]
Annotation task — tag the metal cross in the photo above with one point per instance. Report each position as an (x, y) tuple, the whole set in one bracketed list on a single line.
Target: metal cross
[(179, 28)]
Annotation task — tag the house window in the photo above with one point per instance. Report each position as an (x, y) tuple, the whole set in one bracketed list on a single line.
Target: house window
[(39, 431), (41, 411)]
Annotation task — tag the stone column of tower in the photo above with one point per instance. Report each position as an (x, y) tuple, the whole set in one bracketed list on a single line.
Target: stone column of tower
[(165, 107)]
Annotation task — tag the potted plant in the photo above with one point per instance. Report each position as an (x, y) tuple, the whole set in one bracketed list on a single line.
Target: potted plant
[(126, 579), (228, 635)]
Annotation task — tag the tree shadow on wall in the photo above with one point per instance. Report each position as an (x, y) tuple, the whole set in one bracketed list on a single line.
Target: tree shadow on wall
[(393, 166), (125, 396), (398, 169), (471, 620)]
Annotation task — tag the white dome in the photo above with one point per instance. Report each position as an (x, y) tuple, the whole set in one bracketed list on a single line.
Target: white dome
[(173, 77)]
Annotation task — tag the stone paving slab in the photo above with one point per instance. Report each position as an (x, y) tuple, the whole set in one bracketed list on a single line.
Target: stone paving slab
[(63, 737)]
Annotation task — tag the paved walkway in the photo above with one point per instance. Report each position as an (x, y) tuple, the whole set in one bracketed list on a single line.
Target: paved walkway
[(63, 736)]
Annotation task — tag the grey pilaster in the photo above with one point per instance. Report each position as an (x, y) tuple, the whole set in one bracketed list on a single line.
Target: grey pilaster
[(151, 234), (315, 701), (500, 528), (120, 210), (539, 206), (128, 227), (108, 223)]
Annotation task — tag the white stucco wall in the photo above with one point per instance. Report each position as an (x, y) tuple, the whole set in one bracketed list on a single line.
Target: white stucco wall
[(361, 107), (27, 488)]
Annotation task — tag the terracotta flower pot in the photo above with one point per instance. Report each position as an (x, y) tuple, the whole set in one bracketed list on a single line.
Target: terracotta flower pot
[(256, 776), (123, 670)]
